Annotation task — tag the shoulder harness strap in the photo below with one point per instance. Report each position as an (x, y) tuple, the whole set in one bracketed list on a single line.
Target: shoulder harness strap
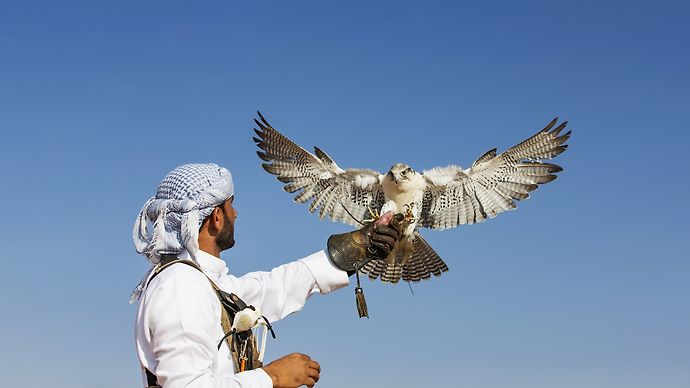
[(242, 346)]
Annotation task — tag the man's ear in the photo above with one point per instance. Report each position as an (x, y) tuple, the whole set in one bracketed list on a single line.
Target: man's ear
[(215, 221)]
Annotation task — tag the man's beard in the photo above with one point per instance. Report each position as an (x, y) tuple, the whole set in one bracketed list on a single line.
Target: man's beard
[(226, 238)]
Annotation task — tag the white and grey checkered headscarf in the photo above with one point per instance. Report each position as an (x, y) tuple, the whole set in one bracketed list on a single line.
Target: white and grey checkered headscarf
[(185, 197)]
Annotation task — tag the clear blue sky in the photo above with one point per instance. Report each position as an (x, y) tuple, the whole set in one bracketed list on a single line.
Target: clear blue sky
[(586, 284)]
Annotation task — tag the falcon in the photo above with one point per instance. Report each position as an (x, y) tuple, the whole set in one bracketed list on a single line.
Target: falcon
[(439, 198)]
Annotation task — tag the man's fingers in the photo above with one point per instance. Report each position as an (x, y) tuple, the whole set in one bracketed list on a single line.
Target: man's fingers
[(315, 365), (386, 231), (395, 223), (386, 247), (384, 238), (293, 370), (313, 374)]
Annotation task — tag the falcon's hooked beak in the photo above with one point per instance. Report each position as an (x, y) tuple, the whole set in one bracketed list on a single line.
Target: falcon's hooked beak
[(400, 173)]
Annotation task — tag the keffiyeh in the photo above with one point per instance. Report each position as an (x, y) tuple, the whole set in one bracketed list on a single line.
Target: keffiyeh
[(185, 197)]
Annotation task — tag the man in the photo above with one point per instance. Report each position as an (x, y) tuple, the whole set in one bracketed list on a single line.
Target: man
[(178, 326)]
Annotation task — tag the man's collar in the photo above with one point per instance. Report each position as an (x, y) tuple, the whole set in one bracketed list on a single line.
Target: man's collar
[(207, 262)]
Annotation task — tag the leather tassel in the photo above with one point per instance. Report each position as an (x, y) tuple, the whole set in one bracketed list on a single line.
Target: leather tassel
[(359, 298), (361, 303)]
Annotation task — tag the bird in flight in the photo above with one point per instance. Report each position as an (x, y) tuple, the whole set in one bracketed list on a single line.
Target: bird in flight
[(439, 198)]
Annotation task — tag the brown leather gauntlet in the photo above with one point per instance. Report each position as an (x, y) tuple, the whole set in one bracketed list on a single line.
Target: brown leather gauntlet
[(369, 243)]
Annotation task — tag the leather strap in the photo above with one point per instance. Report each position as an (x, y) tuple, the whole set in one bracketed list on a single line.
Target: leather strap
[(228, 301), (151, 381)]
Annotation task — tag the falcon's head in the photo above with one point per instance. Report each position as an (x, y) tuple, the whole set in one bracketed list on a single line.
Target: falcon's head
[(401, 173)]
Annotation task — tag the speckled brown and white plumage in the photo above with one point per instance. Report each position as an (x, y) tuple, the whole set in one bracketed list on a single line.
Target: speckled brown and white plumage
[(440, 198)]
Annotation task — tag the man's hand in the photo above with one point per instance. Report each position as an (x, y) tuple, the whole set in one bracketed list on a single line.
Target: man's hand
[(351, 251), (384, 234), (293, 370)]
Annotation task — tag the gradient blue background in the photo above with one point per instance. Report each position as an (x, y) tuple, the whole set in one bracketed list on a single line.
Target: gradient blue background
[(585, 285)]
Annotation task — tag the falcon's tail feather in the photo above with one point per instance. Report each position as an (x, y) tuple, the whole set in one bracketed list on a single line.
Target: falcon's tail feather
[(422, 262)]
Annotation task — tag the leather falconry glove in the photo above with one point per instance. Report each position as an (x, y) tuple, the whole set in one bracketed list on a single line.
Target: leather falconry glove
[(351, 251)]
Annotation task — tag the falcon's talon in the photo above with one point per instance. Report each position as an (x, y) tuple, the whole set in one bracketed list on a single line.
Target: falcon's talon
[(408, 214), (373, 213)]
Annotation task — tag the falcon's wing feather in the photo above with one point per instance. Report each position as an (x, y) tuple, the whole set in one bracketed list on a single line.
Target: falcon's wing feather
[(318, 177), (455, 196)]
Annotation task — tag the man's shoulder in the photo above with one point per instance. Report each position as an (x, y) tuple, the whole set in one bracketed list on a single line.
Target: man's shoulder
[(179, 275), (177, 297)]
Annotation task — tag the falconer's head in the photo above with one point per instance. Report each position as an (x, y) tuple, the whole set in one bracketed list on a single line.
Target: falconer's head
[(192, 210)]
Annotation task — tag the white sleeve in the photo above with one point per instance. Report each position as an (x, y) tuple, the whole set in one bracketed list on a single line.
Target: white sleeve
[(285, 289), (185, 314)]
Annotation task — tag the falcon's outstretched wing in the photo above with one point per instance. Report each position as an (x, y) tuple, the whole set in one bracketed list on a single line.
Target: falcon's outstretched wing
[(318, 177), (454, 196)]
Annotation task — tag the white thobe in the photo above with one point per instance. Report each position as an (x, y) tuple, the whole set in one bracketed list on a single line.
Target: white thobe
[(178, 319)]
